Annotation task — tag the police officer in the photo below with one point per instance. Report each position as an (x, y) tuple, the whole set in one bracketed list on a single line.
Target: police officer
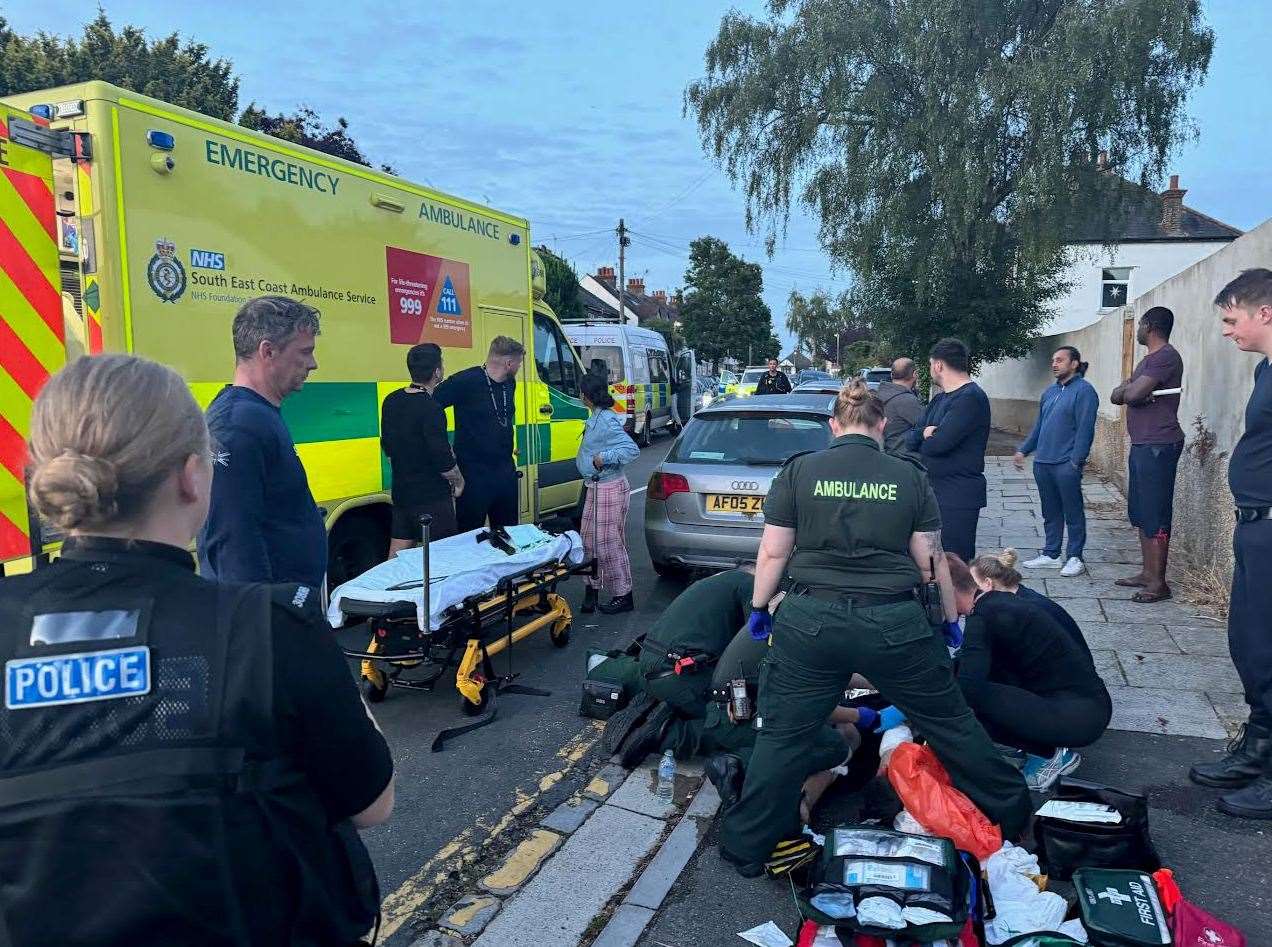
[(1246, 308), (183, 762), (861, 525)]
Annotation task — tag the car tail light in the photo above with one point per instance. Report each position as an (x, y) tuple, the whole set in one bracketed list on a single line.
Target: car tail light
[(663, 485)]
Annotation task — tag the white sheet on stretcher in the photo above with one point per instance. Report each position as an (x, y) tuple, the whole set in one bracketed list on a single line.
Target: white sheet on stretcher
[(460, 566)]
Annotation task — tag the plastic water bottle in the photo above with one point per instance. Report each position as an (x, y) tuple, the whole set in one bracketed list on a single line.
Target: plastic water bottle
[(667, 777)]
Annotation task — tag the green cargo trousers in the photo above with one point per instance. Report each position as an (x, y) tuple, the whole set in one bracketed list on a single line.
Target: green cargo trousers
[(817, 645), (716, 733)]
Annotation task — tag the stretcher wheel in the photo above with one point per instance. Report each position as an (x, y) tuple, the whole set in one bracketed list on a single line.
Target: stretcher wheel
[(375, 691), (561, 638), (474, 710)]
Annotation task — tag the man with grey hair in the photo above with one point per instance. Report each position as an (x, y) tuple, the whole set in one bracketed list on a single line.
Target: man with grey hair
[(901, 406), (263, 524)]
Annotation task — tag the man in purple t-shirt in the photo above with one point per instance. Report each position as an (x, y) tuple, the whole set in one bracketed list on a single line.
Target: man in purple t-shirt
[(1157, 441)]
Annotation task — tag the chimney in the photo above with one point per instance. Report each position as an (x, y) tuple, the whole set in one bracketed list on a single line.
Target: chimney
[(1173, 207), (636, 286), (1102, 161), (605, 274), (660, 295)]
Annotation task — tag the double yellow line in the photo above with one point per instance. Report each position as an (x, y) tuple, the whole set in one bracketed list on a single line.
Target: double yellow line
[(468, 846)]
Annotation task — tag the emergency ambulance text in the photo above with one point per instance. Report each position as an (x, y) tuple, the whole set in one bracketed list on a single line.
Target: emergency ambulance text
[(281, 170)]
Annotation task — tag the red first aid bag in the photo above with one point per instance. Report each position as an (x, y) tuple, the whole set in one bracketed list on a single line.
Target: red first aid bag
[(1190, 925), (925, 788)]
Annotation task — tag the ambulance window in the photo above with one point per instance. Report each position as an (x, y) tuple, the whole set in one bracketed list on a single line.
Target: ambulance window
[(554, 359)]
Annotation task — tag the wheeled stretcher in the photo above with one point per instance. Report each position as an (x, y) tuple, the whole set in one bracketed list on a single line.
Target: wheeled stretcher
[(459, 602)]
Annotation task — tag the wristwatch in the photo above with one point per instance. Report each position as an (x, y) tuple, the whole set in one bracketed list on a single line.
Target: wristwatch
[(759, 608)]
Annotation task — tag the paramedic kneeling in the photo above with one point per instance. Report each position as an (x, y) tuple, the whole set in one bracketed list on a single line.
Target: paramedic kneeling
[(861, 524), (184, 762)]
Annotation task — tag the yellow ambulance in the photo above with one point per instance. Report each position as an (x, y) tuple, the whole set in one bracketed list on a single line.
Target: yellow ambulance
[(127, 224)]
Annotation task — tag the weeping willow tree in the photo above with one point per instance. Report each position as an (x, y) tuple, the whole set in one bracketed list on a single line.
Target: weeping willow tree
[(946, 146)]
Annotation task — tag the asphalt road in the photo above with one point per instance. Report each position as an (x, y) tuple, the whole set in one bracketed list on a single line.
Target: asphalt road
[(459, 810)]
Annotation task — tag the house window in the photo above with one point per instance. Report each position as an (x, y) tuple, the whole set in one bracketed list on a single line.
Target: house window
[(1115, 286)]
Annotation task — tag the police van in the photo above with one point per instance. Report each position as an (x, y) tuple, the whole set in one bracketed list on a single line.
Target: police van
[(131, 225), (638, 367)]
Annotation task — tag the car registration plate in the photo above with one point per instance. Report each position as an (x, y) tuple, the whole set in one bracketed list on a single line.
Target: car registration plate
[(734, 503)]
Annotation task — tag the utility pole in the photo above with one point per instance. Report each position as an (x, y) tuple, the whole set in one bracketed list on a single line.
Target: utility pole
[(623, 242)]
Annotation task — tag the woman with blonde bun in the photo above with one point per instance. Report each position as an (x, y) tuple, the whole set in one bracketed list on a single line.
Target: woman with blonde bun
[(1000, 571), (183, 762), (1031, 685)]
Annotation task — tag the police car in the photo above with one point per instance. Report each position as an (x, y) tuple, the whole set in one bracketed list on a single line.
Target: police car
[(704, 508)]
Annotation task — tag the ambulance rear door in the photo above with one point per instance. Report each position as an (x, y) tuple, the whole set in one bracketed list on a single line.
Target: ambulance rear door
[(32, 334)]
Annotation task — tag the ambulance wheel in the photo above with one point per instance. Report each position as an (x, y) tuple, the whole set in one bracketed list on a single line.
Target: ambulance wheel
[(375, 693), (647, 435), (474, 710), (561, 638)]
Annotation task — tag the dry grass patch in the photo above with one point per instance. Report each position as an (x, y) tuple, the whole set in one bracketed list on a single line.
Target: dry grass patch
[(1204, 586)]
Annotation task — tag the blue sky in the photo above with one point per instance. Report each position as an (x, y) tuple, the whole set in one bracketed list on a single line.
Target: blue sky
[(569, 112)]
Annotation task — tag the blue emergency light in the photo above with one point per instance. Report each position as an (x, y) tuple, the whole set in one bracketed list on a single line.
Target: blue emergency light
[(514, 238), (42, 111), (161, 140)]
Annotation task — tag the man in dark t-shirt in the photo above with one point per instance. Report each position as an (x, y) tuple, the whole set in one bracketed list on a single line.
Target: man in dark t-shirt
[(485, 402), (1157, 441), (1246, 308), (426, 478)]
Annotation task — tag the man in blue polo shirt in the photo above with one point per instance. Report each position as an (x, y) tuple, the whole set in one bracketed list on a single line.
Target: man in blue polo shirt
[(263, 524), (1061, 440)]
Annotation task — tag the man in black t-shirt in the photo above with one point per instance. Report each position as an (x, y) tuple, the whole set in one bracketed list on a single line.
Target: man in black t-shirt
[(1246, 308), (485, 402), (426, 478)]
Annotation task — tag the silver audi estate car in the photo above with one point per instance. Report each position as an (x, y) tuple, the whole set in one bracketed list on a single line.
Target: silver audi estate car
[(704, 508)]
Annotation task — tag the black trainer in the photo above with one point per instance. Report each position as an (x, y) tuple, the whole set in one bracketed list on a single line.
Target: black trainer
[(619, 603), (625, 721), (1248, 755), (1252, 802), (646, 738), (727, 774), (590, 595)]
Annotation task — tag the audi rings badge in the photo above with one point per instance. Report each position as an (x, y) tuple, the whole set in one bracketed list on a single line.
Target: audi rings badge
[(744, 485)]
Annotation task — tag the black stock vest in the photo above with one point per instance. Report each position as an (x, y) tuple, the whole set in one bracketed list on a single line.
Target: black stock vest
[(144, 794)]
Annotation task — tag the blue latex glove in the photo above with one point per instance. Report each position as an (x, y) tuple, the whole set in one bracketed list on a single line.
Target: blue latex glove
[(952, 632), (760, 624), (889, 717), (867, 717)]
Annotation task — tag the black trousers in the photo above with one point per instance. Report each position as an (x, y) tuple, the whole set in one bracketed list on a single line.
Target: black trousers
[(488, 494), (958, 532), (1037, 723), (1249, 624)]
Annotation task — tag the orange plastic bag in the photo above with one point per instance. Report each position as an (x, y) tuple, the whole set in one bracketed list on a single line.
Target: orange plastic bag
[(925, 789)]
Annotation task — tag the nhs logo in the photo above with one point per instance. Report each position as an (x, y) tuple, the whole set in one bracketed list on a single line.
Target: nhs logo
[(207, 260)]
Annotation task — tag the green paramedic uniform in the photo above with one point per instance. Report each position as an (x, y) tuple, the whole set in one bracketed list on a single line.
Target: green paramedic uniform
[(702, 620), (716, 733), (851, 608)]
